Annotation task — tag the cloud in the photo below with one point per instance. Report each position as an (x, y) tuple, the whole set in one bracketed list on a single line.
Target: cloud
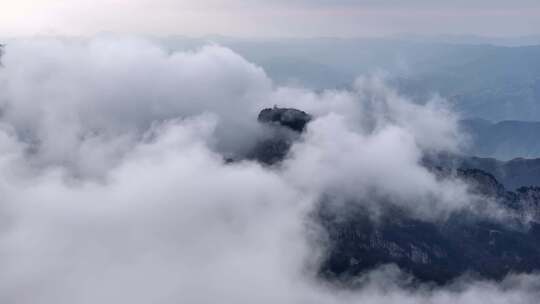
[(114, 188), (170, 222), (108, 93)]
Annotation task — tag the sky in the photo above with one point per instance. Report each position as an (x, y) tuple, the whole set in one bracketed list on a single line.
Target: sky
[(277, 18)]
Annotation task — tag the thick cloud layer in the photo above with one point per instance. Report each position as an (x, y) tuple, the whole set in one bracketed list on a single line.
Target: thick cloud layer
[(114, 188), (101, 94)]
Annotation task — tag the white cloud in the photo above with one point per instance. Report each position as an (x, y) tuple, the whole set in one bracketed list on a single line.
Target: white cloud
[(167, 221), (101, 95)]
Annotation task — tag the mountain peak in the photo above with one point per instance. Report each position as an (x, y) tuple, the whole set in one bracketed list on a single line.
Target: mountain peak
[(293, 119)]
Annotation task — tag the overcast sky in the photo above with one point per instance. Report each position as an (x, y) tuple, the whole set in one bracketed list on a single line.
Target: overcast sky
[(275, 18)]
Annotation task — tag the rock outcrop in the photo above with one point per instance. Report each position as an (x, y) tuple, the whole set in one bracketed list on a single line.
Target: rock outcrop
[(293, 119), (284, 127)]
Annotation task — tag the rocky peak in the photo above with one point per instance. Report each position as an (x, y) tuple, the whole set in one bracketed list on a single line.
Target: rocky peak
[(293, 119), (286, 124)]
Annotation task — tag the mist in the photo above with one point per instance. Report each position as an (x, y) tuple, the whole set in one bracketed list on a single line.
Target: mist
[(116, 189)]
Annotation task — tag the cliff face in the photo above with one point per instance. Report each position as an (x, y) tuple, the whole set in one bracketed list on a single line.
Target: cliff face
[(437, 251), (431, 251)]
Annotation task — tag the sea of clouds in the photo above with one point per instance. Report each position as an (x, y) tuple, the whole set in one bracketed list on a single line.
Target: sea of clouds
[(114, 187)]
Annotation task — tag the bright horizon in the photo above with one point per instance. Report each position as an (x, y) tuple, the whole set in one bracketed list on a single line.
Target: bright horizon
[(297, 18)]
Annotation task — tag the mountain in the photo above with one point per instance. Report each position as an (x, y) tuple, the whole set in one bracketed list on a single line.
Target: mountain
[(284, 126), (504, 140), (439, 252), (527, 40), (488, 81), (465, 243), (494, 83), (513, 174)]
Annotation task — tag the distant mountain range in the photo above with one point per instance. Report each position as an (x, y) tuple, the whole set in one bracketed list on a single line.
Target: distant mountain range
[(512, 174), (480, 80), (472, 39), (504, 140)]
